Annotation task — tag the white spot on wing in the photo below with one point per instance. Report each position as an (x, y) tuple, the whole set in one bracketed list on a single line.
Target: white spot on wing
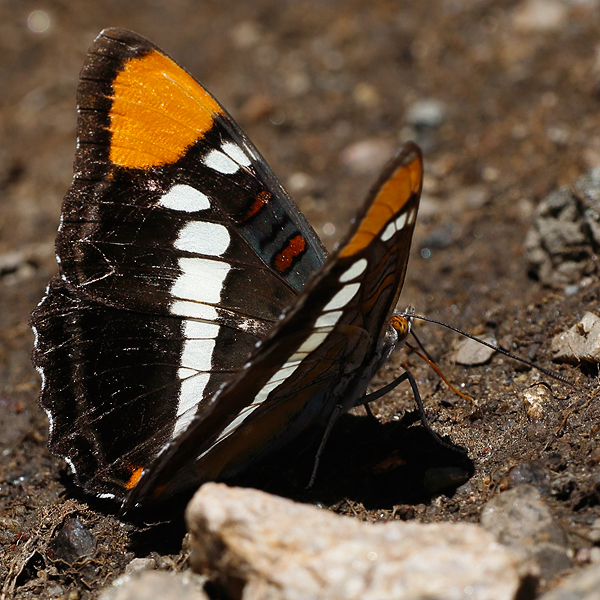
[(201, 280), (191, 392), (328, 319), (71, 465), (220, 162), (343, 297), (312, 342), (184, 372), (194, 310), (284, 372), (106, 496), (202, 237), (197, 354), (184, 198), (200, 330), (297, 357), (43, 376), (236, 153), (50, 421), (358, 268), (401, 221), (388, 232)]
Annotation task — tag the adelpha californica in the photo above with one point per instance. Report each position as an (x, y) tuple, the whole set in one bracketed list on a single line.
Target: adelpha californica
[(197, 322)]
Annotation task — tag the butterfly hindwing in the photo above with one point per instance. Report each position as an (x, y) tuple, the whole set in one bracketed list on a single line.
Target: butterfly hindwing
[(323, 354), (178, 250)]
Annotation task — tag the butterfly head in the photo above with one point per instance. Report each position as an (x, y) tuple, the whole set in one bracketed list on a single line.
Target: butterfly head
[(402, 323)]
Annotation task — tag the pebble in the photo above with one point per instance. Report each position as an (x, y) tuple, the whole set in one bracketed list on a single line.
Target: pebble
[(540, 15), (469, 352), (559, 246), (580, 343), (536, 399), (520, 519), (140, 564), (73, 541), (144, 585), (258, 546), (532, 472), (584, 585), (426, 113), (367, 156)]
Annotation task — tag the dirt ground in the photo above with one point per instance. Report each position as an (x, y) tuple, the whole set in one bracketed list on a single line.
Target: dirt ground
[(327, 90)]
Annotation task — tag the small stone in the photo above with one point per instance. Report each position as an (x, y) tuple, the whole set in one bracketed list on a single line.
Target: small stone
[(140, 564), (469, 352), (72, 541), (532, 472), (11, 261), (579, 344), (274, 548), (366, 95), (156, 584), (541, 15), (536, 398), (470, 198), (520, 519), (367, 156), (583, 585), (426, 113), (246, 34)]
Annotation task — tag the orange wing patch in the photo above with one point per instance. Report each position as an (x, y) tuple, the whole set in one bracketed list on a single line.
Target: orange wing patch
[(158, 111), (135, 477), (391, 197)]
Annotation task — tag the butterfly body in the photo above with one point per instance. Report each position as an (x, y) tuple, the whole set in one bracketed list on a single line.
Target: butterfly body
[(197, 323)]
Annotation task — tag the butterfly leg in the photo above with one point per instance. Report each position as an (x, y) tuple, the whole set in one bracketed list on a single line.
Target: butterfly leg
[(415, 388), (370, 412), (332, 419)]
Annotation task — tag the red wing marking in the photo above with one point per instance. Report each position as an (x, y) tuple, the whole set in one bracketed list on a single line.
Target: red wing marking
[(294, 248)]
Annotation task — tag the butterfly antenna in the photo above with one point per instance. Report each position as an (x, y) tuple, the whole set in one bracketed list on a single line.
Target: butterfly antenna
[(436, 369), (494, 347), (423, 350)]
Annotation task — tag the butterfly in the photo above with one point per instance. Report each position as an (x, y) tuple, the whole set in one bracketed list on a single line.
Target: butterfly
[(197, 322)]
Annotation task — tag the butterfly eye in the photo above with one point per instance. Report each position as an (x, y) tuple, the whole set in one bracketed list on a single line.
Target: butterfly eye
[(401, 325)]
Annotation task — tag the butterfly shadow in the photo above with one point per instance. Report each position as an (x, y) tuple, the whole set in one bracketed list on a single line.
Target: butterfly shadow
[(380, 465)]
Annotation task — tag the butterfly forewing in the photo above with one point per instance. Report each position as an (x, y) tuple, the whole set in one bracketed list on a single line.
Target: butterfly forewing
[(178, 249), (323, 353)]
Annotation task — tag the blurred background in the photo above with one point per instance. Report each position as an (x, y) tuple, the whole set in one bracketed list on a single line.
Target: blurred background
[(502, 94)]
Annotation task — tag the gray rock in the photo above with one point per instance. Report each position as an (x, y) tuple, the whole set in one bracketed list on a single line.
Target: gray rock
[(470, 352), (72, 541), (584, 585), (579, 344), (367, 156), (520, 520), (560, 245), (145, 585), (259, 546), (426, 113)]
